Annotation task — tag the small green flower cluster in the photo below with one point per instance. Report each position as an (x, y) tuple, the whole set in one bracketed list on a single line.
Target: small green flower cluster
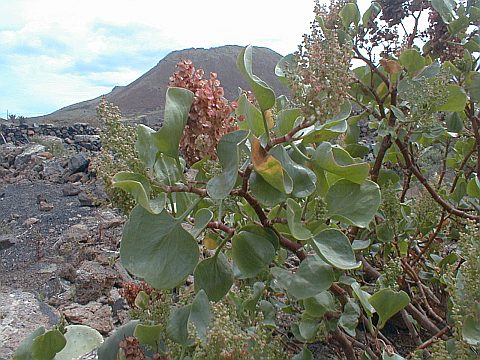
[(229, 338), (118, 153), (391, 207), (390, 274), (426, 212)]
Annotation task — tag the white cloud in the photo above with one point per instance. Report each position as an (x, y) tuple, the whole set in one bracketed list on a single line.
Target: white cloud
[(58, 52)]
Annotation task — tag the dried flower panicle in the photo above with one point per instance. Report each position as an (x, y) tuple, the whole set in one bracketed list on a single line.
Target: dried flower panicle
[(130, 290), (321, 81), (210, 115)]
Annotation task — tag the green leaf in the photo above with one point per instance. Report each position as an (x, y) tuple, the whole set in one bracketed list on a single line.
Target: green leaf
[(473, 187), (269, 168), (253, 117), (294, 218), (285, 66), (265, 193), (363, 297), (167, 139), (308, 326), (445, 9), (177, 326), (353, 203), (384, 233), (177, 106), (387, 303), (312, 277), (198, 313), (371, 13), (250, 304), (303, 178), (305, 354), (228, 150), (263, 93), (286, 120), (47, 345), (412, 61), (456, 100), (202, 218), (386, 356), (454, 122), (252, 251), (168, 170), (138, 186), (472, 84), (215, 276), (158, 249), (24, 350), (319, 304), (81, 340), (149, 335), (201, 314), (339, 162), (333, 246), (350, 14), (109, 349), (471, 331), (349, 319)]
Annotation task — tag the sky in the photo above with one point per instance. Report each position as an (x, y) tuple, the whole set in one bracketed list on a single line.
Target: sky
[(59, 52)]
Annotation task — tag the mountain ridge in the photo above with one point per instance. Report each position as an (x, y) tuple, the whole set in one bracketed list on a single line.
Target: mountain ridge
[(143, 99)]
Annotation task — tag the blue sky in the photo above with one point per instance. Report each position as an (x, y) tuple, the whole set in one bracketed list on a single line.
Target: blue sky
[(59, 52)]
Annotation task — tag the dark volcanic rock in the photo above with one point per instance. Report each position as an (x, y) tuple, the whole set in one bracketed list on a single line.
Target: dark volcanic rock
[(92, 281), (70, 190), (78, 163)]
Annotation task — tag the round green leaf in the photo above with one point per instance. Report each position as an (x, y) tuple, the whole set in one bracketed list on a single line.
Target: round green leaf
[(471, 331), (387, 303), (319, 304), (47, 345), (333, 246), (215, 276), (252, 252), (109, 349), (353, 203), (412, 60), (312, 277), (294, 217), (81, 340), (158, 249)]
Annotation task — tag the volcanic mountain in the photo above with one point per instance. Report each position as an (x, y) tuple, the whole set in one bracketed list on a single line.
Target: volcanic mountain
[(143, 100)]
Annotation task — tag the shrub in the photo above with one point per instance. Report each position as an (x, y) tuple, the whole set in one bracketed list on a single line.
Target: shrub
[(300, 222)]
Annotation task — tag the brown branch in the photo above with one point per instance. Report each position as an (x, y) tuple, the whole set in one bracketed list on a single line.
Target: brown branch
[(184, 188), (438, 335), (444, 204), (431, 238), (386, 143), (476, 134), (289, 136), (444, 164), (221, 226), (346, 345), (422, 319), (410, 327), (460, 168)]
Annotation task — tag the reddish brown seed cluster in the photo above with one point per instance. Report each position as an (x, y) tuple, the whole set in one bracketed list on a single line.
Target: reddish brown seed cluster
[(210, 115), (130, 290)]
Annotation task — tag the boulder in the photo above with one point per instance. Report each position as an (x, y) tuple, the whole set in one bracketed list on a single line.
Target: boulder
[(20, 314), (77, 163), (26, 155), (93, 314), (92, 281)]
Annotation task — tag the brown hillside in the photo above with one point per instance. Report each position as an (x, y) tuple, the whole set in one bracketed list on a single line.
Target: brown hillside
[(143, 99)]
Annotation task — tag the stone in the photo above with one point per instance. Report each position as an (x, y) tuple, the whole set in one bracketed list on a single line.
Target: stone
[(30, 221), (92, 281), (21, 313), (76, 177), (45, 206), (76, 233), (70, 189), (93, 314), (6, 241), (27, 154), (78, 163), (86, 199)]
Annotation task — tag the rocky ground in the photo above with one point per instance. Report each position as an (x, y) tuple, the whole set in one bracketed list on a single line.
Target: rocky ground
[(58, 244)]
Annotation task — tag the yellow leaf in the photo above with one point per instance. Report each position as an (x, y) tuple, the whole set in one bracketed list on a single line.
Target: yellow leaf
[(391, 66), (209, 243), (268, 114), (269, 168)]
